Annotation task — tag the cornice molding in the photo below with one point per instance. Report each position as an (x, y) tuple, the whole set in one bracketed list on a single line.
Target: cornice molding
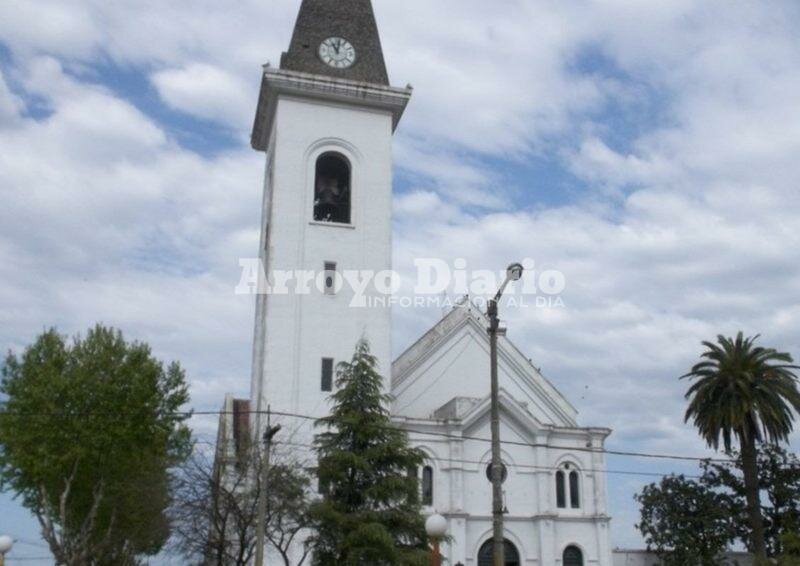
[(277, 82)]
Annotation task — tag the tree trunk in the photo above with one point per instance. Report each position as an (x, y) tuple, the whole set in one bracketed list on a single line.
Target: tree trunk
[(750, 472)]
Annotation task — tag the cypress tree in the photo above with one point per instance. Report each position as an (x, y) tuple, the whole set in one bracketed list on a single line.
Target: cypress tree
[(370, 512)]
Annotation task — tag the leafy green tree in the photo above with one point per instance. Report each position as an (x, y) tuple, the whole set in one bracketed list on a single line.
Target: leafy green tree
[(370, 512), (779, 481), (744, 391), (88, 431), (685, 522), (790, 556)]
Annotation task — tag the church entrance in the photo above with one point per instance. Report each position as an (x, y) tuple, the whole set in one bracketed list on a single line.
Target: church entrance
[(511, 553), (573, 556)]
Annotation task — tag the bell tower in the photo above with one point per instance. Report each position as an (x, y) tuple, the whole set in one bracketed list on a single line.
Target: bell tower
[(325, 121)]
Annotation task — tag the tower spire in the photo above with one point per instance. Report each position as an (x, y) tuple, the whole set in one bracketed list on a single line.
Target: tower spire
[(350, 20)]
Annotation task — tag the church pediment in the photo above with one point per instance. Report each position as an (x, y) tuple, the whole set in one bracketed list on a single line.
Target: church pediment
[(450, 362), (473, 413)]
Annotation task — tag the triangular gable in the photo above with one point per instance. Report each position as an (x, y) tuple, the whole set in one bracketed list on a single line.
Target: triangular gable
[(518, 413), (452, 360)]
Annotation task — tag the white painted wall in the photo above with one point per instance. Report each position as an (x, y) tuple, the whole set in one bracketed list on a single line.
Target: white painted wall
[(537, 527), (294, 332), (427, 376), (454, 364)]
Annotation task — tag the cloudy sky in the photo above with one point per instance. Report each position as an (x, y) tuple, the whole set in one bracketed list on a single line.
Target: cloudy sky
[(647, 150)]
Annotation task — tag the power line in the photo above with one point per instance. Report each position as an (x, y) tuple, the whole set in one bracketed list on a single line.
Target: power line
[(520, 466), (192, 413), (532, 466), (532, 444)]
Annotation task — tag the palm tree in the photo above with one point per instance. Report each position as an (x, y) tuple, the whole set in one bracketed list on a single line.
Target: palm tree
[(748, 392)]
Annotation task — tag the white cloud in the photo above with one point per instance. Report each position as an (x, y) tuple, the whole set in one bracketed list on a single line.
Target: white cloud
[(10, 104), (49, 26), (207, 91), (110, 221)]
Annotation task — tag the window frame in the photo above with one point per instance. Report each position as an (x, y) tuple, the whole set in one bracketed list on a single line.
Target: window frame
[(427, 488), (561, 490), (314, 165), (574, 489), (326, 375), (569, 487), (329, 272)]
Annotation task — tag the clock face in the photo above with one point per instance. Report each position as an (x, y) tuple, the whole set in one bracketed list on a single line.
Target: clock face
[(337, 53)]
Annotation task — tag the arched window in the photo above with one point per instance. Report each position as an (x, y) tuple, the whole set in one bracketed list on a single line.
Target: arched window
[(561, 490), (568, 487), (574, 490), (427, 486), (573, 556), (510, 553), (332, 189)]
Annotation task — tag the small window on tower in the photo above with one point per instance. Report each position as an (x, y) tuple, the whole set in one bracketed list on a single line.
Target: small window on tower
[(327, 374), (330, 278), (332, 189)]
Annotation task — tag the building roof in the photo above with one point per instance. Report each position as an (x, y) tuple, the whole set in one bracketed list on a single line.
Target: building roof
[(441, 365), (353, 20)]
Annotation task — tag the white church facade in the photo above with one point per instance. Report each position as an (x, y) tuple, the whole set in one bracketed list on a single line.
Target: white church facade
[(555, 483), (325, 121)]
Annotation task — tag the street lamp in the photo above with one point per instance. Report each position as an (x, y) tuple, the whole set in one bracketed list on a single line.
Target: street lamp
[(436, 527), (6, 542), (513, 273)]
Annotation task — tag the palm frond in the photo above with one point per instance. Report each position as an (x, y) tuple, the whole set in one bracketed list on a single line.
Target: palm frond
[(742, 389)]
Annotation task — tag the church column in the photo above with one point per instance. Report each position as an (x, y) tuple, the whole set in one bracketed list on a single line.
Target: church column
[(600, 503), (456, 475), (547, 542), (544, 504), (543, 477)]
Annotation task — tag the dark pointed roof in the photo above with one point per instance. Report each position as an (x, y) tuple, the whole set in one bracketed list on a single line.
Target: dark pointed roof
[(353, 20)]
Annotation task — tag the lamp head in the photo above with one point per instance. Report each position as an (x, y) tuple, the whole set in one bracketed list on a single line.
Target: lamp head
[(6, 542), (436, 526), (514, 271)]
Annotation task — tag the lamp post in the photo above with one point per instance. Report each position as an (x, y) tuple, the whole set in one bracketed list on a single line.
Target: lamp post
[(6, 542), (513, 273), (436, 527)]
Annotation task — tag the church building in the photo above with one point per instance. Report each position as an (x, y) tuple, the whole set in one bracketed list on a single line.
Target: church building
[(325, 120)]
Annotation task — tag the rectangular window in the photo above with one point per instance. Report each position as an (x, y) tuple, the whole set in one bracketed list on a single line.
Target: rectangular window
[(427, 486), (574, 490), (561, 490), (327, 374), (330, 278)]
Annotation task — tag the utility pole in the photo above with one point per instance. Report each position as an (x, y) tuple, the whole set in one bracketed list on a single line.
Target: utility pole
[(514, 273), (498, 558), (262, 491)]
